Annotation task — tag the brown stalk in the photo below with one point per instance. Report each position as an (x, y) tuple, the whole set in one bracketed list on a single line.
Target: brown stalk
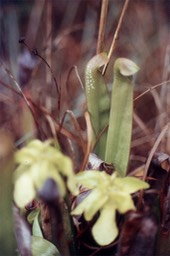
[(102, 25), (74, 68), (141, 124), (9, 87), (65, 132), (164, 94), (89, 140), (151, 88), (16, 84), (34, 22), (115, 37), (76, 126), (140, 141), (49, 41), (154, 148), (48, 53)]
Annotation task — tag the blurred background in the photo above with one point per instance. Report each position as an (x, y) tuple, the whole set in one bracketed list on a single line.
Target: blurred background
[(64, 34)]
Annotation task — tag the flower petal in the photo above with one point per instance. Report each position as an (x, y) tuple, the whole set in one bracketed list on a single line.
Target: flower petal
[(72, 186), (21, 169), (105, 229), (96, 201), (24, 191), (122, 201), (90, 205), (80, 208), (64, 166), (91, 179), (39, 173), (130, 184), (25, 156), (36, 144), (57, 178)]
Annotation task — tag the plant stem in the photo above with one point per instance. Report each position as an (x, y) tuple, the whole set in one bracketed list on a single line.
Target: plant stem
[(155, 146), (53, 226), (115, 37), (7, 238), (102, 25)]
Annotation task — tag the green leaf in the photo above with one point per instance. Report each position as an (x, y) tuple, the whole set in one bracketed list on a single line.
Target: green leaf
[(42, 247), (126, 67), (98, 101), (36, 229), (33, 219), (32, 215), (120, 121), (7, 236)]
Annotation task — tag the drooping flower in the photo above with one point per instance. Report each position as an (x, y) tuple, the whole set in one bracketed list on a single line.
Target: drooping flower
[(108, 194), (37, 162)]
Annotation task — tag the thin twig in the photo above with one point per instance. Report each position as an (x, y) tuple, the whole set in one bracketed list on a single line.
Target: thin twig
[(58, 127), (36, 53), (26, 99), (35, 20), (164, 93), (52, 126), (10, 88), (89, 140), (16, 84), (115, 37), (141, 124), (77, 75), (48, 51), (156, 144), (102, 25), (76, 126), (141, 141), (151, 88)]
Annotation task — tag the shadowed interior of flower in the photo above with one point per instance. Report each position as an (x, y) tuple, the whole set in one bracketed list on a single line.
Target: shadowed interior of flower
[(108, 194), (37, 162)]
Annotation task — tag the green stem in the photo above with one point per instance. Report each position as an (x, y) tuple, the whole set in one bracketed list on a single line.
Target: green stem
[(69, 227), (7, 238)]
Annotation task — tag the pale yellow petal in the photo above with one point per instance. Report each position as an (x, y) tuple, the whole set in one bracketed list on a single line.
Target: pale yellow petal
[(63, 163), (96, 201), (24, 191), (105, 229), (80, 208), (35, 144), (21, 169), (90, 179), (72, 186), (25, 156), (89, 206), (64, 167), (39, 173), (130, 184), (59, 181), (122, 201)]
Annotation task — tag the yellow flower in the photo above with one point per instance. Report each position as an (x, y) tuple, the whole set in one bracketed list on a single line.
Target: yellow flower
[(37, 162), (108, 194)]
